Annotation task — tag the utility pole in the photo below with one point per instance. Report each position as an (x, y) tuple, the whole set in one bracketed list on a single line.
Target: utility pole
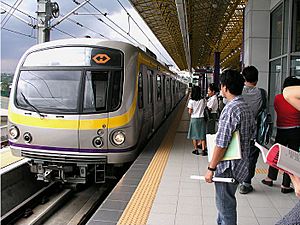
[(46, 10)]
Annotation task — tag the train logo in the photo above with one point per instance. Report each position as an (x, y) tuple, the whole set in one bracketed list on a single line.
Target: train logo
[(101, 58)]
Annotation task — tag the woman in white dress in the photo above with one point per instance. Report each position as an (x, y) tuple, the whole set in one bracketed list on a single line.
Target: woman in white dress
[(197, 129)]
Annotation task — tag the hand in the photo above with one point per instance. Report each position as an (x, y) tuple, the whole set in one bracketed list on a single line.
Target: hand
[(296, 183), (209, 176)]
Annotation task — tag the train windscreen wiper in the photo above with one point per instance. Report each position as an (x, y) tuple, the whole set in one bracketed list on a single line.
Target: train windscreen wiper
[(32, 106)]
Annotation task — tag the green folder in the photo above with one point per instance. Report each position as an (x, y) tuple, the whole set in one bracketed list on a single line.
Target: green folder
[(233, 150)]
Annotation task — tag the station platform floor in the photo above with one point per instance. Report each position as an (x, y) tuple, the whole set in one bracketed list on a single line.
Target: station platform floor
[(157, 189)]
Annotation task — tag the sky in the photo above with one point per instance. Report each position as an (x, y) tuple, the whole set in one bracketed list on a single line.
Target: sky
[(14, 45)]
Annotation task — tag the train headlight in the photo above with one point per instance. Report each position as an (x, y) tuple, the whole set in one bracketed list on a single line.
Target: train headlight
[(27, 137), (13, 132), (98, 142), (118, 137)]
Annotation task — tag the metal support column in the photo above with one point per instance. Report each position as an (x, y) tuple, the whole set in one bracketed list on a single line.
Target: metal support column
[(43, 18), (216, 67)]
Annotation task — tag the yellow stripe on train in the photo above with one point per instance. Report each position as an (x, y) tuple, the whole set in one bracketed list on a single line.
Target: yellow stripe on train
[(112, 122)]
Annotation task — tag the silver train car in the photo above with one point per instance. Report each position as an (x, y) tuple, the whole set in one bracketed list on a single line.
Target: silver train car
[(80, 106)]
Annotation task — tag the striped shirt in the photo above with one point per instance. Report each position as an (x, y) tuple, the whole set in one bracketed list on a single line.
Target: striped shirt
[(236, 115)]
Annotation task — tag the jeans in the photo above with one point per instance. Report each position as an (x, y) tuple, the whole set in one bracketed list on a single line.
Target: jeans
[(254, 153), (226, 201)]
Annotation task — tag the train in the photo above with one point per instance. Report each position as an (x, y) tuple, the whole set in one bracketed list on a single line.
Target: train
[(80, 107)]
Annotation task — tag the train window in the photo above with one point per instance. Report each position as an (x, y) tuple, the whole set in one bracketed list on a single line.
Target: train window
[(167, 86), (140, 91), (158, 87), (150, 85), (48, 91), (116, 90), (173, 86), (95, 95)]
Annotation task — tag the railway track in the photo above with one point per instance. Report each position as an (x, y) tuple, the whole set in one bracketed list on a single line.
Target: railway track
[(67, 204)]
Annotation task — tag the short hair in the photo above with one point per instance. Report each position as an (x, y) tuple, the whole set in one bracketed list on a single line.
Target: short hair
[(291, 81), (213, 87), (233, 81), (250, 74), (196, 93)]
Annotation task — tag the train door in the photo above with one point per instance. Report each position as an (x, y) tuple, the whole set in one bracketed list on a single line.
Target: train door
[(93, 121)]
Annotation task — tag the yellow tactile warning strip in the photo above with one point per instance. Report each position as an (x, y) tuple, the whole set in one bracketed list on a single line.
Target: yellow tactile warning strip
[(6, 158), (139, 206), (261, 171)]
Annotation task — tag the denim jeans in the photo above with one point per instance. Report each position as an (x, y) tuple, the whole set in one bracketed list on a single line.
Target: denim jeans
[(226, 202)]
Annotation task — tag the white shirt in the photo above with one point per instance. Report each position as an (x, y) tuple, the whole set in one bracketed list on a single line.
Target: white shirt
[(213, 103), (197, 108)]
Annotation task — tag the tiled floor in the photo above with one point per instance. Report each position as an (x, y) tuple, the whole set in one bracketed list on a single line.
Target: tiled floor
[(183, 201)]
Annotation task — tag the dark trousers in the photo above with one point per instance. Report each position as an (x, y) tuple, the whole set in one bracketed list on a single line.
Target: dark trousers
[(254, 153), (289, 138)]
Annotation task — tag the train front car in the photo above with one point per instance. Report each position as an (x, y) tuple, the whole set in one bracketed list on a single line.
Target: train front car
[(72, 108)]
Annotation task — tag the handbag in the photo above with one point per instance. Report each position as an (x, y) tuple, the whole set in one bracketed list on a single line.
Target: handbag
[(207, 114)]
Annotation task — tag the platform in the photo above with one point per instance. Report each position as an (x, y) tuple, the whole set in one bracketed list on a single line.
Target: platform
[(157, 189)]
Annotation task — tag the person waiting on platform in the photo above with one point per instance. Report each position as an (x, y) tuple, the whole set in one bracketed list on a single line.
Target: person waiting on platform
[(236, 115), (288, 132), (212, 105), (292, 96), (197, 126), (254, 98)]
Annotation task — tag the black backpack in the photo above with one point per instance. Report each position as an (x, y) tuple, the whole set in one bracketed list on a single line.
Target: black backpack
[(264, 122)]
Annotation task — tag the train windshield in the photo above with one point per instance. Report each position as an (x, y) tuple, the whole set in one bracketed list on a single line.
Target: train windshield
[(49, 91), (60, 91)]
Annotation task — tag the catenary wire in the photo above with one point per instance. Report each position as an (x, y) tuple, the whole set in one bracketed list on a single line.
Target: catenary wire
[(17, 32), (32, 18), (17, 3), (129, 15)]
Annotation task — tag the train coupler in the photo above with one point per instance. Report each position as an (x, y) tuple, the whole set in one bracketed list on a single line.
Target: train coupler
[(100, 173)]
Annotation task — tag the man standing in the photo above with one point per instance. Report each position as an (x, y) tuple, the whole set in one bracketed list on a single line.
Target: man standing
[(236, 115), (253, 97)]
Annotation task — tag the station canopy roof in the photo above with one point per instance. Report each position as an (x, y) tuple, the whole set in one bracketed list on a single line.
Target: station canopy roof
[(192, 30)]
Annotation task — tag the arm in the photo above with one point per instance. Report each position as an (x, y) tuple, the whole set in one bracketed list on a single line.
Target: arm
[(292, 96), (190, 111), (216, 158)]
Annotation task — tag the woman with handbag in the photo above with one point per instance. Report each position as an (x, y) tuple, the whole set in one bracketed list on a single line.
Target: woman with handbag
[(197, 126), (212, 106)]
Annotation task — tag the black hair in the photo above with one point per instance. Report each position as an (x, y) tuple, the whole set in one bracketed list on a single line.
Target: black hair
[(196, 93), (213, 87), (291, 81), (233, 81), (250, 74)]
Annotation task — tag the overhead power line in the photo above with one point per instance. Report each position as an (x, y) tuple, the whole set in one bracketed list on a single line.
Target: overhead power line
[(142, 31), (32, 18), (17, 32), (10, 13), (99, 19)]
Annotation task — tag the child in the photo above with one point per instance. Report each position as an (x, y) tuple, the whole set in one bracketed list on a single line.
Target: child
[(197, 127)]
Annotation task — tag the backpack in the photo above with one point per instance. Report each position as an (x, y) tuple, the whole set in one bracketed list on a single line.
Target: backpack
[(264, 122)]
